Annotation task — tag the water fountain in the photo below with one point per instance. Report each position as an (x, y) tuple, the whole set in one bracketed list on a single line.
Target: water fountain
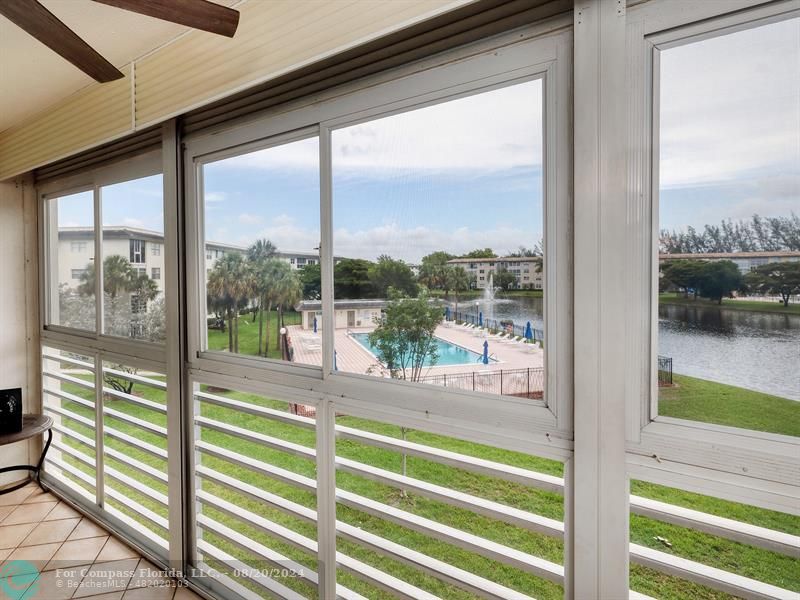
[(488, 291)]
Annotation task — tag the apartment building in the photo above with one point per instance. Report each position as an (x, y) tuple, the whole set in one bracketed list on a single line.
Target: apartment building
[(144, 250), (526, 270)]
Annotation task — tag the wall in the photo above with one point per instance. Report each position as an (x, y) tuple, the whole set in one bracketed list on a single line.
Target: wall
[(19, 333)]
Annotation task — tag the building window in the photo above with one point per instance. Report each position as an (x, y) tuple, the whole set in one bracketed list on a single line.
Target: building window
[(77, 246), (155, 249), (137, 251), (77, 273), (155, 273), (208, 255)]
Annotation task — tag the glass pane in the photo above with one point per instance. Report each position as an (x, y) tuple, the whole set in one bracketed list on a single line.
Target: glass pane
[(729, 286), (438, 237), (70, 268), (133, 259), (262, 250)]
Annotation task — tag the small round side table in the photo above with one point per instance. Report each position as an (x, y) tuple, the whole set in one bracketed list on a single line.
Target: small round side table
[(32, 425)]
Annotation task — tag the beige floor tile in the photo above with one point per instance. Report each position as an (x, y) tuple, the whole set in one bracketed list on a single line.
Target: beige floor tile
[(5, 552), (39, 495), (38, 555), (109, 596), (29, 513), (86, 529), (183, 593), (76, 552), (116, 550), (50, 531), (12, 535), (62, 511), (54, 585), (5, 511), (107, 577), (17, 496), (149, 575), (150, 593)]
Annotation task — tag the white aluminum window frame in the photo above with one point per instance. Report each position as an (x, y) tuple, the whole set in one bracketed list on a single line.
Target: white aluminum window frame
[(738, 464), (542, 51)]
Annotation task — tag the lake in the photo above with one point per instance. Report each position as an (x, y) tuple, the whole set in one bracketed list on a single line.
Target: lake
[(753, 350)]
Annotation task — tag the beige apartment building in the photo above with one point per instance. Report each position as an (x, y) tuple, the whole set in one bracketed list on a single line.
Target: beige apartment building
[(526, 270)]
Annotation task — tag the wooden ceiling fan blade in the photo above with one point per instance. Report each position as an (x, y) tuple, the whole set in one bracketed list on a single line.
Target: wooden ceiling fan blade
[(49, 30), (197, 14)]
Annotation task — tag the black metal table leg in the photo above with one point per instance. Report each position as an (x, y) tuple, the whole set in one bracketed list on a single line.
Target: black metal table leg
[(35, 469)]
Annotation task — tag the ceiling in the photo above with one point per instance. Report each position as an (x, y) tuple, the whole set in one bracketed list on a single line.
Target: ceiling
[(33, 77)]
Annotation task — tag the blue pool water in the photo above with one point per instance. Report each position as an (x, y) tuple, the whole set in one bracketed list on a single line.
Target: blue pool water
[(449, 354)]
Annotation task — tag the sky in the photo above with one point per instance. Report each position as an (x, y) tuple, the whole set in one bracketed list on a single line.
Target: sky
[(467, 173)]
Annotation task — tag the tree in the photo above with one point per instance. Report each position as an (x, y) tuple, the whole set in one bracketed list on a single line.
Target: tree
[(504, 279), (264, 272), (458, 279), (351, 279), (526, 252), (286, 291), (229, 285), (258, 252), (781, 278), (481, 253), (765, 234), (433, 268), (404, 336), (719, 279), (388, 272), (311, 278), (682, 274)]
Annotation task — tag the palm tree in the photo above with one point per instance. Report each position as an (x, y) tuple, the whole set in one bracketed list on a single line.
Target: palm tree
[(258, 254), (229, 285), (118, 277), (288, 289), (457, 279), (264, 274)]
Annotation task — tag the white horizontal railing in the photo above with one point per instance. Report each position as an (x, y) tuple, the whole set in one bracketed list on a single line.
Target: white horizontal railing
[(715, 578), (69, 360)]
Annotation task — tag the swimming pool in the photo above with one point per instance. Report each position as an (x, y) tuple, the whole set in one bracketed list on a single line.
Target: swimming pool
[(449, 353)]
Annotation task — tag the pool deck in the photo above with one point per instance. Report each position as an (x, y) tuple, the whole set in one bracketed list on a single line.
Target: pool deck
[(354, 358)]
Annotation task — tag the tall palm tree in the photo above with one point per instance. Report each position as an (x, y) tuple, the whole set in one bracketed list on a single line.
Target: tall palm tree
[(118, 277), (229, 284), (288, 289), (457, 279), (258, 254), (264, 274)]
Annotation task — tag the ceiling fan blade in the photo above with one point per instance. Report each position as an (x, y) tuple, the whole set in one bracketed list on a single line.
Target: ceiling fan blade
[(197, 14), (48, 29)]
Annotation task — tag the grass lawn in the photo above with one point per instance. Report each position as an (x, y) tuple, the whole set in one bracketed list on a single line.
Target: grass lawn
[(745, 560), (711, 402), (248, 334), (729, 303)]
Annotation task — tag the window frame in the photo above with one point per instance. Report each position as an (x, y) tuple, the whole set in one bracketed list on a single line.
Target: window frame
[(143, 165), (543, 51), (720, 452)]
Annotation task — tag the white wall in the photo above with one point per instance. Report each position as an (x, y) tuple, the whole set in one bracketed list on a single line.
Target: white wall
[(19, 332)]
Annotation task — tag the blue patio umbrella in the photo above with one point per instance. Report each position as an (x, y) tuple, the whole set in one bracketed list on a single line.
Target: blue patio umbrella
[(446, 313), (486, 353), (528, 331), (315, 324), (480, 319)]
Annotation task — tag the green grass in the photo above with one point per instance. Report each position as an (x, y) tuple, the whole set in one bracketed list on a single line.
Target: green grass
[(248, 334), (710, 402), (730, 304), (752, 562)]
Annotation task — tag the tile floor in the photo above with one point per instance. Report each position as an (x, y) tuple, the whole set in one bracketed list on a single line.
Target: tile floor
[(75, 558)]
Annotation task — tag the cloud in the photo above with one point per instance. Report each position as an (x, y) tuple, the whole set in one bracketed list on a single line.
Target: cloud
[(250, 219), (729, 106), (496, 130), (214, 197)]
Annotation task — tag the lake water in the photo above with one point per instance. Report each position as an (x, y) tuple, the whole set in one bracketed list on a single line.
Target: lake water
[(753, 350)]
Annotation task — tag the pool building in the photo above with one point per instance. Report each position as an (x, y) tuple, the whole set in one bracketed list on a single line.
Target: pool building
[(348, 314)]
